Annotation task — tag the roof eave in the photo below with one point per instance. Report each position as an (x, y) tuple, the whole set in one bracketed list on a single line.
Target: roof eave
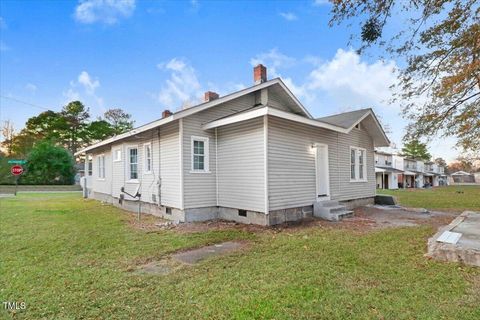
[(185, 113)]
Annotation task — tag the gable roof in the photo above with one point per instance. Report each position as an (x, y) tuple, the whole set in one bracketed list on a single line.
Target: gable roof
[(293, 101), (346, 119), (461, 173), (343, 122)]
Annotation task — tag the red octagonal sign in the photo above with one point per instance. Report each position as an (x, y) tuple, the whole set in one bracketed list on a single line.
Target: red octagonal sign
[(16, 170)]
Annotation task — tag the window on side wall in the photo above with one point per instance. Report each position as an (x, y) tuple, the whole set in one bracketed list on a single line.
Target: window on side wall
[(101, 166), (133, 163), (148, 158), (89, 165), (358, 164), (200, 154), (118, 155)]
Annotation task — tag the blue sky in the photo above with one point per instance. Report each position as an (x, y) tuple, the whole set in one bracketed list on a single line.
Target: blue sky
[(147, 56)]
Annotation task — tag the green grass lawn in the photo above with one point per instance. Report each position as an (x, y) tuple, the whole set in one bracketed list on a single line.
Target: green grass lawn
[(69, 258), (451, 198)]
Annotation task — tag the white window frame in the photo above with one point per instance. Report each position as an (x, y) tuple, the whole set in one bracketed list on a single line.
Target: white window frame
[(206, 155), (101, 167), (145, 159), (89, 165), (128, 164), (358, 151), (117, 155)]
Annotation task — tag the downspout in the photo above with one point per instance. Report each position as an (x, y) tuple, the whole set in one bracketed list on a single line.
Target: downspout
[(265, 152), (180, 138), (159, 182), (216, 164)]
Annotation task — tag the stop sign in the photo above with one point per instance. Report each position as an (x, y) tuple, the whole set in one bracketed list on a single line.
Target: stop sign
[(16, 170)]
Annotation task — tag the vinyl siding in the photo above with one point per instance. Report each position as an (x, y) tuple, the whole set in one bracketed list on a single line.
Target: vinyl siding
[(275, 101), (170, 165), (291, 164), (200, 189), (102, 185), (241, 165), (165, 164)]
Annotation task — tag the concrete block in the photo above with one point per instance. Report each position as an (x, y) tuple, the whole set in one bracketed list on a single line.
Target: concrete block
[(385, 200)]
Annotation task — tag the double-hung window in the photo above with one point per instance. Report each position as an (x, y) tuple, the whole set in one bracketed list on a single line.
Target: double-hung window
[(148, 158), (199, 154), (101, 166), (133, 163), (358, 167)]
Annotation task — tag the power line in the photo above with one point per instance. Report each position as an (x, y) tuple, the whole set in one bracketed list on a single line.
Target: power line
[(24, 102)]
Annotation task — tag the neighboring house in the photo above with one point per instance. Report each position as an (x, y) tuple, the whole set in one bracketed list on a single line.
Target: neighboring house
[(388, 169), (395, 171), (410, 174), (443, 178), (253, 156), (433, 175), (461, 177)]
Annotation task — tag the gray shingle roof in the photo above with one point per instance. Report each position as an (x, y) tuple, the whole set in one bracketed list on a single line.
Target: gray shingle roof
[(346, 119)]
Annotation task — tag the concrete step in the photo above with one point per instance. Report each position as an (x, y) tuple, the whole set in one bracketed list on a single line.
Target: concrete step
[(334, 209), (328, 203), (334, 212), (337, 216)]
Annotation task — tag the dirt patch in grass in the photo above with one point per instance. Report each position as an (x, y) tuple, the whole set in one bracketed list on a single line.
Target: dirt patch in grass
[(181, 258), (161, 268)]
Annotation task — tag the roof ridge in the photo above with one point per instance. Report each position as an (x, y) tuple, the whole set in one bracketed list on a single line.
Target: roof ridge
[(342, 113)]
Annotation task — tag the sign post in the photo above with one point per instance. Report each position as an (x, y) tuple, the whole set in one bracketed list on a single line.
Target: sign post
[(16, 170), (17, 161)]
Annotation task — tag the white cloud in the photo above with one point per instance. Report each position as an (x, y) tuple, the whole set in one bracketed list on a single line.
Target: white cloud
[(351, 80), (71, 95), (289, 16), (31, 87), (274, 60), (318, 3), (182, 88), (103, 11), (88, 83)]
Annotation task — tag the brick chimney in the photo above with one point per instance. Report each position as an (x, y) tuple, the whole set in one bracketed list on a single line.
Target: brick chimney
[(210, 95), (259, 74), (166, 113)]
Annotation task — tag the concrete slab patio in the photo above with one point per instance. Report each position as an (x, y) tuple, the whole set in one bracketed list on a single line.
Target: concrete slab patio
[(467, 249)]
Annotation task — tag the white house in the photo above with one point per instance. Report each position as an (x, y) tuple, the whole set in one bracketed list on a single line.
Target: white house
[(253, 156), (462, 177), (388, 167)]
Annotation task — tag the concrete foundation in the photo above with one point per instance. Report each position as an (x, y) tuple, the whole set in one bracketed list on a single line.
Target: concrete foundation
[(467, 249), (211, 213), (355, 203), (289, 215)]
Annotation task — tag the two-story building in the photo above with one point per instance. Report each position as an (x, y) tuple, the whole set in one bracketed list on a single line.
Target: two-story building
[(388, 168), (394, 171)]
